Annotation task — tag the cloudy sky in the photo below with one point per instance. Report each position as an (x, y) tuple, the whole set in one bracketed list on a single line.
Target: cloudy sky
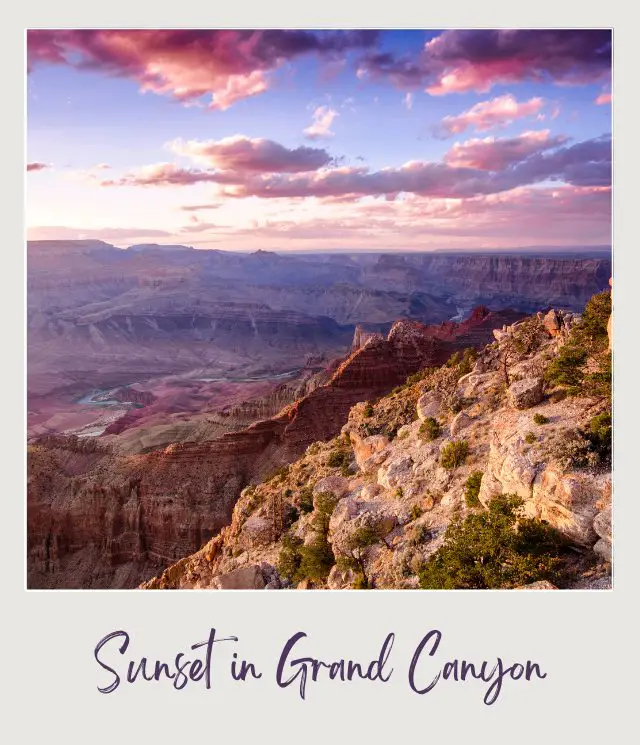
[(320, 140)]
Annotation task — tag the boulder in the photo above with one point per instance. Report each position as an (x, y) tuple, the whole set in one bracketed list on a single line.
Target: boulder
[(459, 422), (396, 473), (340, 579), (338, 485), (245, 578), (364, 448), (552, 323), (602, 526), (525, 393), (256, 531), (429, 404)]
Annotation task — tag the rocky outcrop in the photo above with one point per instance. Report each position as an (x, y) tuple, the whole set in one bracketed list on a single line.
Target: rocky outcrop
[(394, 499), (523, 394)]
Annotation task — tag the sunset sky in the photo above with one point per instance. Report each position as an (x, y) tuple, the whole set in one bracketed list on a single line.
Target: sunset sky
[(320, 140)]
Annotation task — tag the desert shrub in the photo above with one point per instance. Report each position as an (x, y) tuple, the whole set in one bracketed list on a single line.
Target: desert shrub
[(530, 438), (290, 558), (540, 419), (338, 458), (416, 512), (399, 493), (497, 548), (592, 329), (586, 448), (454, 454), (305, 500), (356, 545), (586, 348), (368, 410), (325, 503), (566, 368), (316, 559), (472, 489), (599, 435), (429, 429)]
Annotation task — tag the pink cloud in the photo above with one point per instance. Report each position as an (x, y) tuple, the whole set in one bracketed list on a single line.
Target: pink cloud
[(227, 65), (476, 60), (36, 166), (498, 112), (491, 154), (470, 169), (243, 154), (320, 128), (603, 98)]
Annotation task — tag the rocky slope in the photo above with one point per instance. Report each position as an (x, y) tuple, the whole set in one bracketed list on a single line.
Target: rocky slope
[(386, 474), (102, 519)]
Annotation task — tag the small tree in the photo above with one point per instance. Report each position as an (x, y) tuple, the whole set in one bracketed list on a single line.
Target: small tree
[(472, 489), (429, 429), (454, 454), (494, 549), (357, 544)]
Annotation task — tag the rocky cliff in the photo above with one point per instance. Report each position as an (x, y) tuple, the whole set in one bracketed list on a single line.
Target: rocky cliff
[(103, 519), (373, 506)]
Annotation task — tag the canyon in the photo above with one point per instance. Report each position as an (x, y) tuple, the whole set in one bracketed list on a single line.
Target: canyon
[(162, 381), (98, 518)]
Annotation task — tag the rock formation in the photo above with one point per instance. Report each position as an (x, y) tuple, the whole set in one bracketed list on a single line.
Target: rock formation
[(124, 516), (394, 493)]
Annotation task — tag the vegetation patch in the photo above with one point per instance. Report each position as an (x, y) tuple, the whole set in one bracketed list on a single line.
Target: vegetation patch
[(494, 549), (430, 429), (472, 489), (583, 365), (454, 454)]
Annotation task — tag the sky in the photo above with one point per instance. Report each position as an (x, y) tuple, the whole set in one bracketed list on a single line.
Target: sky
[(320, 140)]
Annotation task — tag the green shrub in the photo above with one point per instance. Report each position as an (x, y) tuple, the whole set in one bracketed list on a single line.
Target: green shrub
[(305, 500), (429, 429), (540, 419), (472, 489), (368, 410), (356, 545), (298, 561), (454, 454), (587, 343), (494, 549), (586, 448), (289, 559), (530, 438), (316, 558), (339, 458), (599, 436)]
